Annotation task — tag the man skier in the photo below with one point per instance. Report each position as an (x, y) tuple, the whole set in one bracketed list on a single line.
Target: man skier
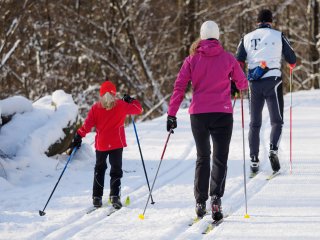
[(263, 49)]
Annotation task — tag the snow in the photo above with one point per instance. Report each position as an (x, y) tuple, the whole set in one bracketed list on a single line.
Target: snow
[(286, 207), (15, 104)]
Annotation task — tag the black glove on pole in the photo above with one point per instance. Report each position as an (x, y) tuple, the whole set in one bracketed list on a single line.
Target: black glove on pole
[(42, 213), (171, 123), (76, 142), (127, 98)]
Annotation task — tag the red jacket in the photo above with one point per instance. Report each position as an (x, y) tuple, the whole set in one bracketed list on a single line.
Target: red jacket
[(109, 124)]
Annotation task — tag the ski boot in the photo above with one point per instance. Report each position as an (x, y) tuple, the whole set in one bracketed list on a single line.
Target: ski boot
[(274, 160), (115, 201), (217, 214), (97, 202), (254, 166), (201, 209)]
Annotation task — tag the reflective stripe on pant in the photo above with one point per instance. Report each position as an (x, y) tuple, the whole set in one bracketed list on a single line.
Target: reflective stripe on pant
[(219, 127), (267, 90)]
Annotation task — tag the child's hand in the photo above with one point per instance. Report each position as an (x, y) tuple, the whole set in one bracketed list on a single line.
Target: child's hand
[(127, 98), (76, 142)]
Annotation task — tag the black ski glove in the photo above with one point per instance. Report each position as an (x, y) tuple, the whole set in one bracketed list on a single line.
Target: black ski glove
[(76, 142), (127, 98), (234, 89), (171, 123)]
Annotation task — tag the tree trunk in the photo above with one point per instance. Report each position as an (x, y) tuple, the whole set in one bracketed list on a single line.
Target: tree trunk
[(313, 34)]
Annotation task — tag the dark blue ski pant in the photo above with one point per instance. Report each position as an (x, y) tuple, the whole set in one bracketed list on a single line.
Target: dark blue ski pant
[(267, 90)]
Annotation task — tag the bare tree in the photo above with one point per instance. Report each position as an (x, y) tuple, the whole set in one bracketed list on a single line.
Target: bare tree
[(75, 45), (313, 25)]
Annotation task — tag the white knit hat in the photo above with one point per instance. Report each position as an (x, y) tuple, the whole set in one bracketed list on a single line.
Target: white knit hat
[(209, 29)]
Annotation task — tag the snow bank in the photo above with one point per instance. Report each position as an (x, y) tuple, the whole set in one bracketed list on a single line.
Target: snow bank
[(65, 111), (26, 138), (16, 104)]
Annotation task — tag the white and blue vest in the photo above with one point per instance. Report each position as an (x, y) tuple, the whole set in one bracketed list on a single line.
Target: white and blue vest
[(264, 44)]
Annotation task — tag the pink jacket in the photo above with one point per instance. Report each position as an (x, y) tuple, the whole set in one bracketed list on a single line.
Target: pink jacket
[(211, 70)]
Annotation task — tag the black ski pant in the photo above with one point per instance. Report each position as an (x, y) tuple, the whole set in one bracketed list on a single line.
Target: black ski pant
[(115, 159), (219, 127), (267, 90)]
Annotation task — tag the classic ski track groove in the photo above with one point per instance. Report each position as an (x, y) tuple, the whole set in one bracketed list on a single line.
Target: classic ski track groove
[(84, 220), (62, 231), (252, 187), (75, 221)]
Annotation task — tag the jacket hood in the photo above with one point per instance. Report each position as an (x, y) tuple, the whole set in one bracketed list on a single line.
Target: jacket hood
[(209, 47)]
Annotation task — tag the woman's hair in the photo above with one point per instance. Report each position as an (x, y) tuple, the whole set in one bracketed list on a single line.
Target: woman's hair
[(194, 46), (108, 101)]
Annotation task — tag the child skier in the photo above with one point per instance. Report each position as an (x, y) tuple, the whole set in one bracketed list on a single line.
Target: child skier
[(108, 116)]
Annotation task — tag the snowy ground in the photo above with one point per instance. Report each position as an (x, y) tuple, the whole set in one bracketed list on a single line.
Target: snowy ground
[(286, 207)]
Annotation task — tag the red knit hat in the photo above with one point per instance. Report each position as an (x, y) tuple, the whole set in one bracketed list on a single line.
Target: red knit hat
[(109, 87)]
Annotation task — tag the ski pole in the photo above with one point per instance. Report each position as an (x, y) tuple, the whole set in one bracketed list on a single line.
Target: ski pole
[(42, 213), (141, 216), (144, 167), (291, 76), (234, 100), (244, 158)]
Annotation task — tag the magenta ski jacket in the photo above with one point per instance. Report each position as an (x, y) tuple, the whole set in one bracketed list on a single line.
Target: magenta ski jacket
[(210, 70)]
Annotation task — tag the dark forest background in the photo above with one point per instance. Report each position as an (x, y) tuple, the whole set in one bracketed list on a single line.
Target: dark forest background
[(74, 45)]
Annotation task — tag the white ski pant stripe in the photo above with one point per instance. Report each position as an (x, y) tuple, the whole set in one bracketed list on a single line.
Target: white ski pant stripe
[(276, 92)]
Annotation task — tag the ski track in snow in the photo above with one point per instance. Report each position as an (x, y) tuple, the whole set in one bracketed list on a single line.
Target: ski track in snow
[(236, 194), (177, 175), (82, 220)]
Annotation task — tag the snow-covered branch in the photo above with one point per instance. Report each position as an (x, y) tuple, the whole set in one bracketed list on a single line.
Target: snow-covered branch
[(7, 55)]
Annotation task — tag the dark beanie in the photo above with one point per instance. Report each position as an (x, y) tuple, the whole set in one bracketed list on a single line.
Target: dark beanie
[(264, 15)]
